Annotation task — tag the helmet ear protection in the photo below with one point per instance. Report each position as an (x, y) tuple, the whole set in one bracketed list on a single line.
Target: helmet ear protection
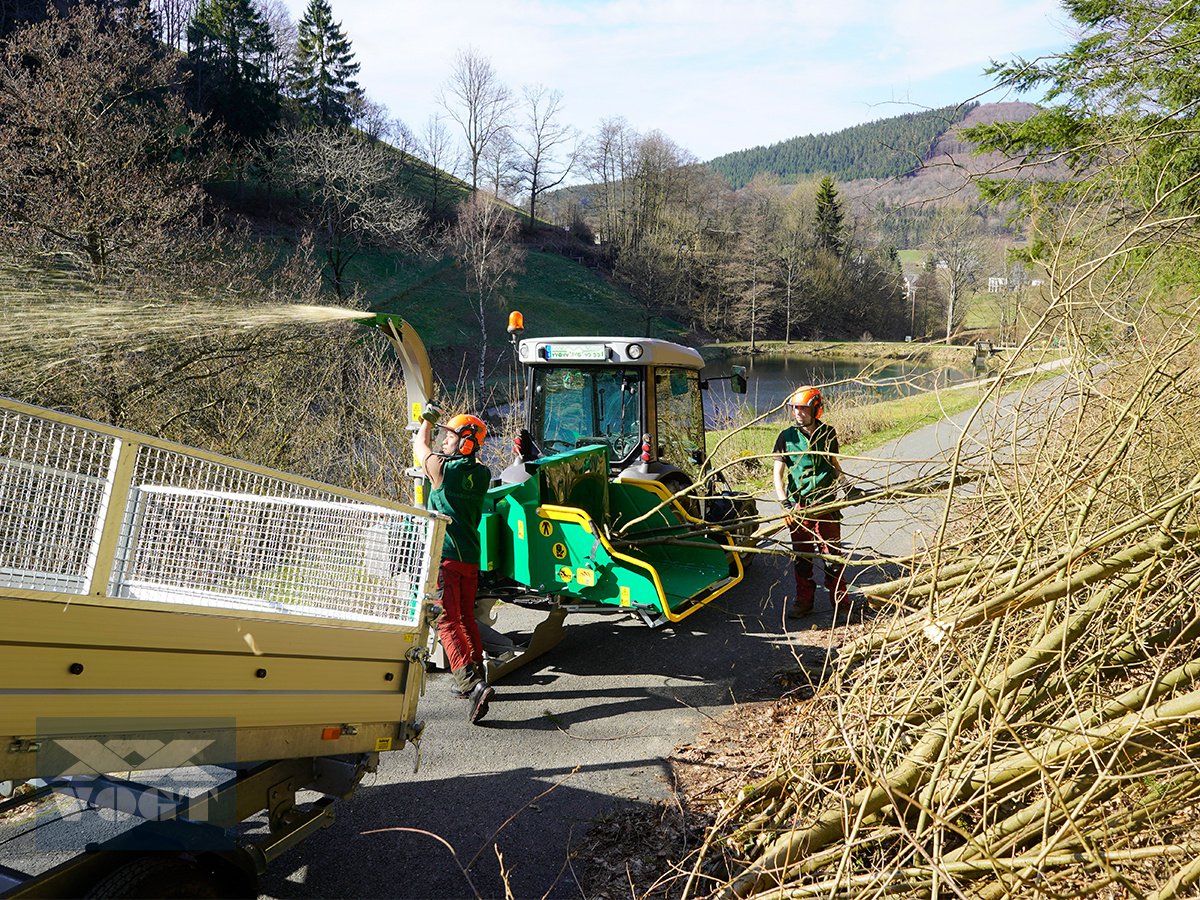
[(471, 434), (810, 397)]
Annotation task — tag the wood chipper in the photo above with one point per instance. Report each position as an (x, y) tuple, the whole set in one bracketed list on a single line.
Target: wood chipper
[(190, 640), (585, 518)]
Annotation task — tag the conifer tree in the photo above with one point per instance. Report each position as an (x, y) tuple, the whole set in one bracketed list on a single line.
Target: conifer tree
[(229, 46), (829, 217), (324, 68)]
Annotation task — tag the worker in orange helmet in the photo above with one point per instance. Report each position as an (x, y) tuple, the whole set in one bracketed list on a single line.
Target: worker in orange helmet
[(807, 473), (460, 483)]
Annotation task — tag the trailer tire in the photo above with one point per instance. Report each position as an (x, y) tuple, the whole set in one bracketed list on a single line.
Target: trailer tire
[(159, 875)]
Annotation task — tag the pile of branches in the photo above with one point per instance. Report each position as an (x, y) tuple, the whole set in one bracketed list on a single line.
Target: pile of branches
[(1026, 720)]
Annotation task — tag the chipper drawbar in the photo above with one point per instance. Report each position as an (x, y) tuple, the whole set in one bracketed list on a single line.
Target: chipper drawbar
[(587, 521), (190, 640)]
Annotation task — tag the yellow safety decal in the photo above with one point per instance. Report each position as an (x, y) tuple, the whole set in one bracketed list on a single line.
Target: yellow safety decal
[(546, 528), (565, 574), (382, 744), (416, 412), (408, 638), (560, 551), (585, 577), (626, 600), (520, 530)]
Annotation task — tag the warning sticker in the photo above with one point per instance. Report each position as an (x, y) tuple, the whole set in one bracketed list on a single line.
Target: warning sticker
[(585, 577), (625, 598), (565, 573), (560, 551), (546, 528), (382, 744)]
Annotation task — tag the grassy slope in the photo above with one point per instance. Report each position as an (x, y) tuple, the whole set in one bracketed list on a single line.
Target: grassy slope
[(557, 296)]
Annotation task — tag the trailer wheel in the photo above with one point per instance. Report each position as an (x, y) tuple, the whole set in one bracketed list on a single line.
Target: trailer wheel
[(162, 875)]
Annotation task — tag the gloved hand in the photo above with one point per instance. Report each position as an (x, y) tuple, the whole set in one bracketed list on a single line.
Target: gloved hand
[(432, 412), (524, 446), (853, 492)]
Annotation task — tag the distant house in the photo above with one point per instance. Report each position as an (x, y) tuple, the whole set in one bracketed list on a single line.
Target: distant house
[(997, 284)]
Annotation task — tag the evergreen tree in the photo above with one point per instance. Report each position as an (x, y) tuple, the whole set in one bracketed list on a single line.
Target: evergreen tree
[(229, 46), (324, 68), (829, 217)]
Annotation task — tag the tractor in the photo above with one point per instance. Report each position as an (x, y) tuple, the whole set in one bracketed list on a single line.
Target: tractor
[(610, 504)]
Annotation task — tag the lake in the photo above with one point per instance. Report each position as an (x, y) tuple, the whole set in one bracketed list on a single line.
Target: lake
[(772, 377)]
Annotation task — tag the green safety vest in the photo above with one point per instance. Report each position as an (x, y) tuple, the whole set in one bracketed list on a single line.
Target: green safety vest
[(465, 482), (809, 460)]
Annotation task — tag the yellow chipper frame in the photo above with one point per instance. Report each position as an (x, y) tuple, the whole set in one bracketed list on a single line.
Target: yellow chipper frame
[(190, 640)]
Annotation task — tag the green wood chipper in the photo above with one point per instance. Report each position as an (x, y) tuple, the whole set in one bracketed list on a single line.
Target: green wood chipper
[(610, 505)]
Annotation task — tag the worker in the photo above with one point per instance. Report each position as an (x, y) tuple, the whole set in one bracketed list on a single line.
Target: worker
[(459, 483), (807, 473)]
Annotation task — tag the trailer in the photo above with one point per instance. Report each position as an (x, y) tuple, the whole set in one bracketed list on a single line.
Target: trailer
[(190, 641)]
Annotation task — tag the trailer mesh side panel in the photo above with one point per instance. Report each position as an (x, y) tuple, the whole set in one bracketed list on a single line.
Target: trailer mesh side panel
[(193, 530), (207, 534), (54, 483)]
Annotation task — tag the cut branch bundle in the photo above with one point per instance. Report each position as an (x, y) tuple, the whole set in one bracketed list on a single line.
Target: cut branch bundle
[(1027, 723)]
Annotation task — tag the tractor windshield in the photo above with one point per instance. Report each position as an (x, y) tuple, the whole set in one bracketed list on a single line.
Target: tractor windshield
[(577, 406)]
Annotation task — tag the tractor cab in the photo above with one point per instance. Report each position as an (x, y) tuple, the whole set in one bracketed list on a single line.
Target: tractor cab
[(639, 397)]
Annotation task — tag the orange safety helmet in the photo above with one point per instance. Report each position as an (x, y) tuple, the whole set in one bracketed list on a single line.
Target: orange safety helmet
[(471, 433), (808, 396)]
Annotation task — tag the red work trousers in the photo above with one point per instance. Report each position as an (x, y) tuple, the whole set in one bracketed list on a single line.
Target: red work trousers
[(817, 536), (457, 628)]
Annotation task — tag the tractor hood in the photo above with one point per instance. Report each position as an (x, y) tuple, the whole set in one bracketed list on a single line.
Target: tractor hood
[(608, 351)]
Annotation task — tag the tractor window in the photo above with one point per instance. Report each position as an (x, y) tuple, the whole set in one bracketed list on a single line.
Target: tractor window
[(574, 407), (680, 418)]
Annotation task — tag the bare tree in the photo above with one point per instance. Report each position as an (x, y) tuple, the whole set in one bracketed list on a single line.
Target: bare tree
[(283, 33), (94, 144), (483, 241), (546, 146), (173, 17), (348, 187), (607, 160), (476, 99), (436, 148), (958, 258), (369, 116), (498, 165)]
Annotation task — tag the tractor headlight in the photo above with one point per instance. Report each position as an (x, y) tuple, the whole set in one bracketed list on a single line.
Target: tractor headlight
[(634, 351)]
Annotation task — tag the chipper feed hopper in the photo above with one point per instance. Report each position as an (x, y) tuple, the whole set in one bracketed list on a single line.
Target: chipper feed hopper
[(585, 518), (166, 612)]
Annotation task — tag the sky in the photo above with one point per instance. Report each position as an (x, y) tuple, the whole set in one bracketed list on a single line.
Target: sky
[(713, 76)]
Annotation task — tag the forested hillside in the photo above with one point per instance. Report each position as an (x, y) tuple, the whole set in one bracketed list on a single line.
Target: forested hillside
[(880, 149)]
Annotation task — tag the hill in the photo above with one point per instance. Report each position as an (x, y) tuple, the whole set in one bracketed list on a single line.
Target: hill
[(881, 149)]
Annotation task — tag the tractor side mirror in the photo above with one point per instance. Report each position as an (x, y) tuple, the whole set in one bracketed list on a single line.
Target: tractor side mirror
[(737, 380)]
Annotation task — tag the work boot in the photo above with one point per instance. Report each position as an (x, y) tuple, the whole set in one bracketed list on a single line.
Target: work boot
[(480, 669), (800, 610), (465, 680), (481, 695)]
